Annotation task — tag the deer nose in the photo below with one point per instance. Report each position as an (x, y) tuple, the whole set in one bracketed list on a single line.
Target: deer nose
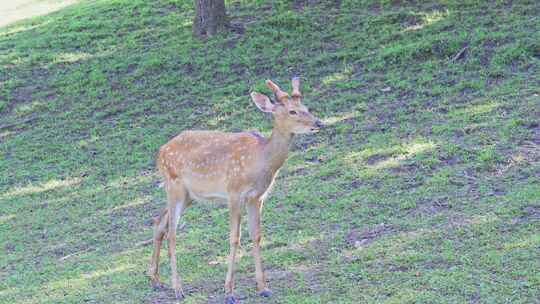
[(319, 124)]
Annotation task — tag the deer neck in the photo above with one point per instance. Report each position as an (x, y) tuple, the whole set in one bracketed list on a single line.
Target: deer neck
[(277, 147)]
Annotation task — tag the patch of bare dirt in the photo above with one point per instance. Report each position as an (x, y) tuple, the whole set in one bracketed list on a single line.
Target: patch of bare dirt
[(530, 213), (299, 171), (373, 159), (9, 248), (360, 238), (431, 206), (439, 264)]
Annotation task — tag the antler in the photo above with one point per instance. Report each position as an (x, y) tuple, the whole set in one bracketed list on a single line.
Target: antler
[(296, 88), (280, 95)]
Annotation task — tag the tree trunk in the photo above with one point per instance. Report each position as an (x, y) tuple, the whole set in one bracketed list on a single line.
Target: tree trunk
[(210, 17)]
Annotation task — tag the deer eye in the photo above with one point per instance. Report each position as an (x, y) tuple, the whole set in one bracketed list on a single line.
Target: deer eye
[(293, 112)]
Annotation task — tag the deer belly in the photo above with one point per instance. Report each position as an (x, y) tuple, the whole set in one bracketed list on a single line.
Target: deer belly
[(207, 191), (208, 196)]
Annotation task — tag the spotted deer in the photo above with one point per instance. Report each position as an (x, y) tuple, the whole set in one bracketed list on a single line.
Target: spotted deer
[(236, 168)]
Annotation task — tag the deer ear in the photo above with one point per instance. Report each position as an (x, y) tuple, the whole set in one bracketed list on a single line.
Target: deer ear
[(263, 102)]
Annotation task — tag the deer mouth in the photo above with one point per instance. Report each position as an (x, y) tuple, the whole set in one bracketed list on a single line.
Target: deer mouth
[(317, 126)]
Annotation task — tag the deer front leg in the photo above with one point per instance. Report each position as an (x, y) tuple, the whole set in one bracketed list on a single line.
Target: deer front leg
[(254, 223), (234, 220)]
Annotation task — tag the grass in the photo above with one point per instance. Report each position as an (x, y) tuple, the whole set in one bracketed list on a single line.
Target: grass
[(424, 188)]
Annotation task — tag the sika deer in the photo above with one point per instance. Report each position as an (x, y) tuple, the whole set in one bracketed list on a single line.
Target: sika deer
[(237, 168)]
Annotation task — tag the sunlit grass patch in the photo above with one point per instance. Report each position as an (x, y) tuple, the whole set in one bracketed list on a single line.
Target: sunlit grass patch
[(370, 161), (428, 18), (343, 75), (71, 57), (336, 119), (35, 189), (6, 218)]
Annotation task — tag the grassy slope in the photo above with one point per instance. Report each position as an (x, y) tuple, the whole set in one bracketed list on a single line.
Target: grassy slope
[(424, 188)]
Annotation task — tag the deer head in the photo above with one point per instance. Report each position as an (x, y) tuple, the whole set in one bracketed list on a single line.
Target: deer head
[(290, 115)]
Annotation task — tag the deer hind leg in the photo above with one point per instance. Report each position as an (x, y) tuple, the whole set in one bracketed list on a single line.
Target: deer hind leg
[(161, 224), (234, 220), (179, 200), (254, 225)]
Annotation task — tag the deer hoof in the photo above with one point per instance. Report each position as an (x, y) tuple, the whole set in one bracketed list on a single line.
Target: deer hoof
[(179, 294), (157, 285), (267, 293), (230, 299)]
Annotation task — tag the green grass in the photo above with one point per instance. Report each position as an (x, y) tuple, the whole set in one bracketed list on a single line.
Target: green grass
[(424, 188)]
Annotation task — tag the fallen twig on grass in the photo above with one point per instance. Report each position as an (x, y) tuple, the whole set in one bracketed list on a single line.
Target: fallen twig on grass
[(459, 54), (13, 124), (144, 243), (74, 254), (466, 176)]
